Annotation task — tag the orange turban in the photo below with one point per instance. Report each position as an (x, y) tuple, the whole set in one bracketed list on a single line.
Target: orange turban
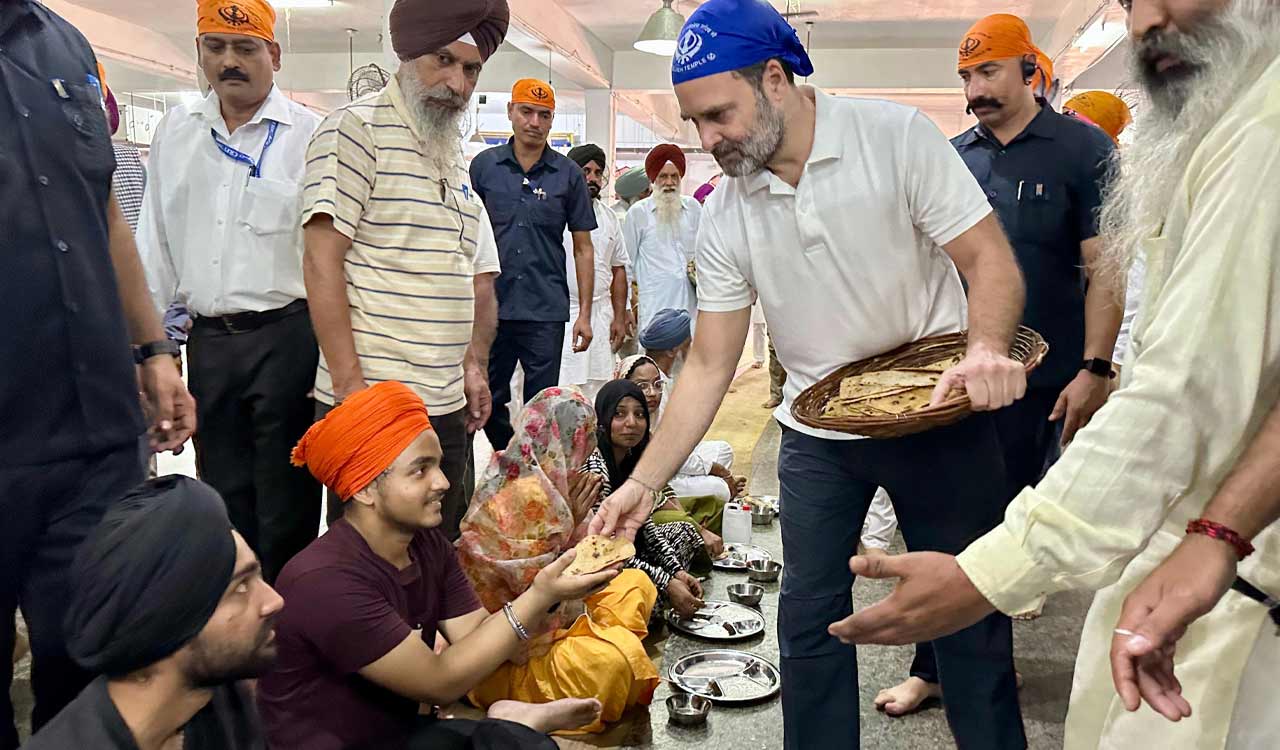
[(362, 436), (1000, 37), (535, 92), (660, 155), (243, 17), (1107, 111)]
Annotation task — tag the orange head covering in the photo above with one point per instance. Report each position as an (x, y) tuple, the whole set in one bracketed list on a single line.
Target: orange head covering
[(362, 436), (1107, 111), (535, 92), (660, 155), (244, 17), (999, 37)]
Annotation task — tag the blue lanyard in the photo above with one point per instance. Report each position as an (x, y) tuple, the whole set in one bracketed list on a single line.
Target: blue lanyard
[(255, 168)]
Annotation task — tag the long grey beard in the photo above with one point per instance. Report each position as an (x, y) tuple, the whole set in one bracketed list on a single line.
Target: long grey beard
[(1233, 49), (667, 207), (440, 124)]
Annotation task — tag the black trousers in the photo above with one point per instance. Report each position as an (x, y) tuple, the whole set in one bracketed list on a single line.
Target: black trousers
[(455, 447), (430, 733), (537, 347), (48, 510), (1029, 442), (253, 403), (947, 487)]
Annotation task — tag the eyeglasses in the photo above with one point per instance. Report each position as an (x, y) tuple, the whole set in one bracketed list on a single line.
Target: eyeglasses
[(649, 388)]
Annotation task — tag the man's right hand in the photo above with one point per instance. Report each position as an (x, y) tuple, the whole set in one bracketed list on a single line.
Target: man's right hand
[(553, 584), (623, 512)]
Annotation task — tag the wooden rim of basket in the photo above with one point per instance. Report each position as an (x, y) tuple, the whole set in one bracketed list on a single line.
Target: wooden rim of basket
[(1028, 347)]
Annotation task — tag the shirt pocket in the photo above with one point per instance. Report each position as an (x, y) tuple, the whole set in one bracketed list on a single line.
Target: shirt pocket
[(83, 112), (274, 206), (549, 212), (1040, 211)]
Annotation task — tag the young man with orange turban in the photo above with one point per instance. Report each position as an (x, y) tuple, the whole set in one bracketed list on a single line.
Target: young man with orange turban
[(533, 193), (660, 232), (1044, 174), (364, 602), (219, 233)]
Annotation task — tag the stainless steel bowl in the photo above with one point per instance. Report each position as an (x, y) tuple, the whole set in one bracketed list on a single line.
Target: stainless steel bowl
[(761, 515), (688, 710), (746, 593), (764, 571)]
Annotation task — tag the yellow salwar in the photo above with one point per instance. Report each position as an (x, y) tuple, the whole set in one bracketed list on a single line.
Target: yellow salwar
[(599, 656)]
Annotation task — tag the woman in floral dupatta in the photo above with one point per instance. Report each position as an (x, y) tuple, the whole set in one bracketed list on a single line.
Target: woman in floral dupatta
[(531, 504)]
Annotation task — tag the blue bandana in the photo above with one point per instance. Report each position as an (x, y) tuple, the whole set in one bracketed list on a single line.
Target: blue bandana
[(727, 35)]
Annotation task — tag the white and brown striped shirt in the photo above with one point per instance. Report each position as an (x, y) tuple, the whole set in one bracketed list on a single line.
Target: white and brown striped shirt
[(418, 239)]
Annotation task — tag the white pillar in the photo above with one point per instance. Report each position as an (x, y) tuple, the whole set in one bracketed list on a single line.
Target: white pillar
[(602, 118)]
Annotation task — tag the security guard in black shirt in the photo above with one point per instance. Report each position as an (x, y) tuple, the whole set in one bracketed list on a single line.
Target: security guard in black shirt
[(72, 299)]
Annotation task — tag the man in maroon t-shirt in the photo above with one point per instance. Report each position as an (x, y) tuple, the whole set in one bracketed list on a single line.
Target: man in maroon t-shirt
[(363, 603)]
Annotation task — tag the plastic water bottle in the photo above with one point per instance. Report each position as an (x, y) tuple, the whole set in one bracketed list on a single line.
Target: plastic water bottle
[(737, 523)]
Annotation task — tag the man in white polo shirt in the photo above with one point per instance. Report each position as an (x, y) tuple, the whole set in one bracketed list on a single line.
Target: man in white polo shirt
[(849, 220)]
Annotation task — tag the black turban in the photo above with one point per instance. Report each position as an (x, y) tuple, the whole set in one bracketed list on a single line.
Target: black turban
[(420, 27), (149, 576), (588, 152)]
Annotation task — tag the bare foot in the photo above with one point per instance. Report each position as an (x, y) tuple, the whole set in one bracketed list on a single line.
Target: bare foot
[(567, 713), (907, 697), (772, 403), (757, 365)]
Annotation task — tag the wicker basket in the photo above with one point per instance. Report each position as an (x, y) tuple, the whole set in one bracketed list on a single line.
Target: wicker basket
[(1028, 347)]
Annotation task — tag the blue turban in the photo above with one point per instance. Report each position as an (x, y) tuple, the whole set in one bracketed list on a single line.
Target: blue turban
[(668, 330), (727, 35)]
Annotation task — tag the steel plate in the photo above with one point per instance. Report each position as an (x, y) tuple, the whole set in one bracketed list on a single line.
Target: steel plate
[(737, 555), (727, 676), (720, 621)]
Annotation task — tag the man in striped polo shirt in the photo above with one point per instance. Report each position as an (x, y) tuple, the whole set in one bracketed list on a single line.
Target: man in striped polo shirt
[(400, 256)]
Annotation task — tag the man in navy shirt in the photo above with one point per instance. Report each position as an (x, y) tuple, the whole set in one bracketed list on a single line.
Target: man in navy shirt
[(1044, 174), (72, 299), (532, 193)]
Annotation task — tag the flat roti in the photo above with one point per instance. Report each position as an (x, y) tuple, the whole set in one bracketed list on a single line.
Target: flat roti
[(595, 553), (870, 384), (910, 400), (940, 366)]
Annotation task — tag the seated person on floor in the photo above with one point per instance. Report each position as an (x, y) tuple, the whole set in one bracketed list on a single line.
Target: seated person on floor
[(665, 551), (168, 605), (364, 602), (705, 482), (527, 506), (707, 471)]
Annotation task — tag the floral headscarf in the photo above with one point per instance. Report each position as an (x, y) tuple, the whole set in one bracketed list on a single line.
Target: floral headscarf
[(627, 366), (520, 519)]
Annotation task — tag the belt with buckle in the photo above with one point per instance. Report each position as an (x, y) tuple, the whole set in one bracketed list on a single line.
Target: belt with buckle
[(246, 321), (1253, 592)]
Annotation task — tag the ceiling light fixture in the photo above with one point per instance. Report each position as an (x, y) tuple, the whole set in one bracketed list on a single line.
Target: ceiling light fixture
[(279, 4), (661, 31)]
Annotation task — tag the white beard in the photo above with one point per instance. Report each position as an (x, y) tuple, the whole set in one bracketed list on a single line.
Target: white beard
[(441, 128), (1234, 49), (668, 207)]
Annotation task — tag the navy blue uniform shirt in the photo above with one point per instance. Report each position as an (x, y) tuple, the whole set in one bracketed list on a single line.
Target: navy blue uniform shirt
[(68, 377), (529, 212), (1046, 187)]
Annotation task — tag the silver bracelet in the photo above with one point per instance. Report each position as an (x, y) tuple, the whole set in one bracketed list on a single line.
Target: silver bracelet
[(516, 625), (643, 484)]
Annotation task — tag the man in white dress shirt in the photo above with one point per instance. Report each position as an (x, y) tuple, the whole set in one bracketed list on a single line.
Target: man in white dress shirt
[(220, 233), (591, 369), (660, 232)]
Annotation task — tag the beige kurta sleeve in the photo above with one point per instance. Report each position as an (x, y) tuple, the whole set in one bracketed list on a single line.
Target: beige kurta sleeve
[(1204, 376)]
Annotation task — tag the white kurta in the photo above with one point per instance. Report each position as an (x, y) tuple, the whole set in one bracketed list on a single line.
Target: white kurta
[(596, 363), (661, 256)]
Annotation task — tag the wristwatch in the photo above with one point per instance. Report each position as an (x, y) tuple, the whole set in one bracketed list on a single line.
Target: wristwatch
[(1099, 366), (155, 349)]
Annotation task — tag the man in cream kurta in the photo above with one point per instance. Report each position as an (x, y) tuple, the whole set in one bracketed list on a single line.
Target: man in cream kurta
[(1203, 374)]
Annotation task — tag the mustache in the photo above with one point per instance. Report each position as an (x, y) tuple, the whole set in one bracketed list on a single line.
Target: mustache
[(443, 97), (233, 74), (1160, 43), (983, 102)]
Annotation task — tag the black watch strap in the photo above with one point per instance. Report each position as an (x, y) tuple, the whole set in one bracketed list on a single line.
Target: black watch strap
[(155, 349), (1099, 367)]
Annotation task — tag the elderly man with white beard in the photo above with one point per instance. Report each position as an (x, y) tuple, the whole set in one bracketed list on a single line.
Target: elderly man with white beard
[(660, 232), (400, 255), (1198, 198)]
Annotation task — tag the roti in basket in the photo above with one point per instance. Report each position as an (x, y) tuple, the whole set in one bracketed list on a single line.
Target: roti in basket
[(595, 553), (940, 366), (897, 404), (879, 383)]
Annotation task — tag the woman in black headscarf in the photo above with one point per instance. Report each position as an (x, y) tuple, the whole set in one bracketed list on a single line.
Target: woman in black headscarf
[(663, 552)]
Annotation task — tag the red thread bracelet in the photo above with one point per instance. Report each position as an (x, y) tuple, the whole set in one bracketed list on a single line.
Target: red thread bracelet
[(1215, 530)]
